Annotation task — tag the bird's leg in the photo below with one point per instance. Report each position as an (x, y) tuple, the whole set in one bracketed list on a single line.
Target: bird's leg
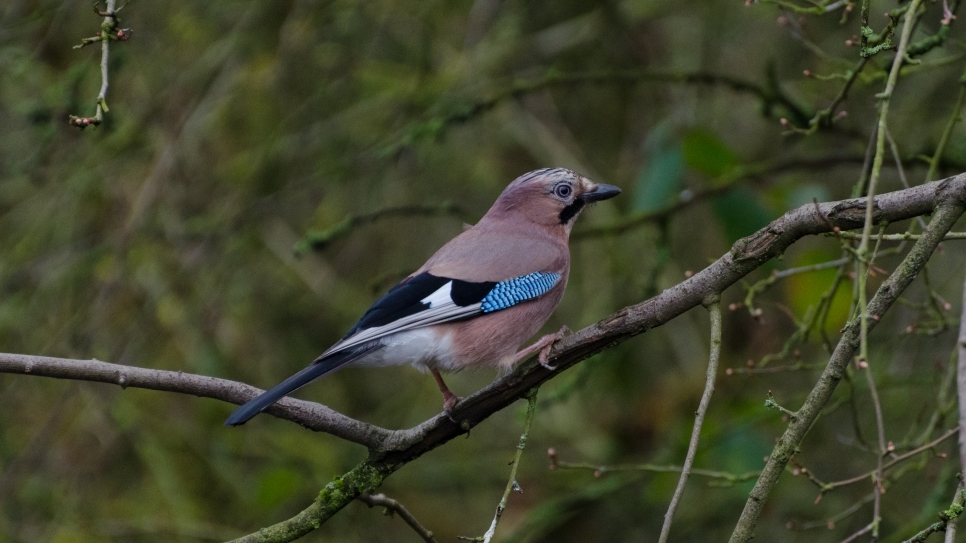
[(449, 399), (543, 345)]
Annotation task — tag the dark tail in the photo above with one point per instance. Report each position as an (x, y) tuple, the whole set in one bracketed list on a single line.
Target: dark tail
[(315, 370)]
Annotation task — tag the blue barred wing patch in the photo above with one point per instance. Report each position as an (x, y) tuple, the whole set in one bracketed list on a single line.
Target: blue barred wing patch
[(513, 291)]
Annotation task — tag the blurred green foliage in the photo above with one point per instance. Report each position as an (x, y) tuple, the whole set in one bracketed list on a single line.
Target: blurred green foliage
[(164, 239)]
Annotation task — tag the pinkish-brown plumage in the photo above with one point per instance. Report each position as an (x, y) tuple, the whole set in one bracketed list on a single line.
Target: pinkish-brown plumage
[(447, 315)]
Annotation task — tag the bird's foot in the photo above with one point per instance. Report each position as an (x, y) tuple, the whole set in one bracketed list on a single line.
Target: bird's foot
[(449, 399), (543, 345), (449, 405)]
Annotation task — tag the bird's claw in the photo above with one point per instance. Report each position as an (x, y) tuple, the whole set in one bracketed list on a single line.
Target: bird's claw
[(545, 351), (449, 405)]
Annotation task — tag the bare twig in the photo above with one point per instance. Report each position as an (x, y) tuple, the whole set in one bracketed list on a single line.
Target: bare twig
[(825, 487), (391, 450), (392, 506), (947, 213), (864, 530), (901, 169), (947, 520), (961, 383), (854, 537), (862, 252), (433, 126), (877, 488), (725, 478), (833, 520), (827, 117), (762, 285), (905, 236), (320, 239), (724, 184), (714, 310), (947, 131), (109, 31), (511, 484)]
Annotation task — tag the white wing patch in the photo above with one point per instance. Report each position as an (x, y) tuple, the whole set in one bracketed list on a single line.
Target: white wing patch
[(442, 309), (443, 295)]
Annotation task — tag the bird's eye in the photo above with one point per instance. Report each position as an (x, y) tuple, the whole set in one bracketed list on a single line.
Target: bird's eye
[(563, 191)]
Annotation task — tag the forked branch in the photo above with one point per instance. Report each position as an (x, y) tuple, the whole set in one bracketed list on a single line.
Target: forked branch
[(391, 450)]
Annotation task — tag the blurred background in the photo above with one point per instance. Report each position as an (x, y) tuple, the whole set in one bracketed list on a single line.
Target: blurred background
[(201, 228)]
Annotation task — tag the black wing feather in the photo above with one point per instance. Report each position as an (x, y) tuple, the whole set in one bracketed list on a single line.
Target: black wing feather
[(405, 299), (401, 301)]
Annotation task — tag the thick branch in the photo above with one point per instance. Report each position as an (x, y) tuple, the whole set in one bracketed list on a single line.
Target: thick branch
[(308, 414), (389, 451)]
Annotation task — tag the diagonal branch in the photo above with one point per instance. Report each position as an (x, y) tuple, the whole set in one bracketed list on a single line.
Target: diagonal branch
[(949, 209), (392, 507), (714, 310), (391, 450)]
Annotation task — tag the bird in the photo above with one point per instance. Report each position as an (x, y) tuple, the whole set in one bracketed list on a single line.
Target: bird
[(477, 300)]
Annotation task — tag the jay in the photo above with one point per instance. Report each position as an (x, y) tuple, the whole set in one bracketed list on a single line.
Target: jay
[(474, 302)]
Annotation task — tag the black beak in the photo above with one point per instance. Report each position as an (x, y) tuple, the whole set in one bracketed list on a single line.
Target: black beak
[(603, 192)]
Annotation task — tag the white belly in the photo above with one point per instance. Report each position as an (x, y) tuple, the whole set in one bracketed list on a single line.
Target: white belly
[(424, 348)]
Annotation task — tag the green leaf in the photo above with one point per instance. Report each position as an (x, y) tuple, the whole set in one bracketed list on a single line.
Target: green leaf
[(659, 179), (706, 153)]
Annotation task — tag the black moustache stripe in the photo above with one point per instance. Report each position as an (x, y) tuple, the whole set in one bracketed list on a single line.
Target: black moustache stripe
[(571, 211)]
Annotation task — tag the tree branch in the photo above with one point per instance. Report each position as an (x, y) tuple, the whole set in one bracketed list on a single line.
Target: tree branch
[(392, 506), (961, 383), (714, 310), (311, 415), (770, 95), (950, 207), (391, 450), (109, 31)]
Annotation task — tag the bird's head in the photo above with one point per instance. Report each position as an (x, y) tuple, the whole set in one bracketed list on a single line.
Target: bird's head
[(551, 197)]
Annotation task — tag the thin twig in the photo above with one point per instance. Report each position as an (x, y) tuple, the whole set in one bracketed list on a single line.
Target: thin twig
[(109, 32), (947, 520), (511, 484), (833, 520), (393, 506), (433, 126), (826, 487), (877, 488), (320, 239), (776, 275), (961, 383), (724, 184), (901, 169), (944, 139), (827, 117), (727, 478), (906, 236), (392, 450), (944, 403), (866, 529), (862, 251), (714, 310), (946, 215)]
